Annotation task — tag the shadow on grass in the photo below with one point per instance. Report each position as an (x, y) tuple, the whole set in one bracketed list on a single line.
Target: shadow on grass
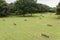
[(28, 16), (4, 17), (20, 16), (58, 17)]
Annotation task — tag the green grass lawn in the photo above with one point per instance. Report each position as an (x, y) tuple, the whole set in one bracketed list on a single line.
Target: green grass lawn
[(30, 29)]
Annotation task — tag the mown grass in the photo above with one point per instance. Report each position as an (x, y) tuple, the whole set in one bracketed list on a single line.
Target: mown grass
[(30, 29)]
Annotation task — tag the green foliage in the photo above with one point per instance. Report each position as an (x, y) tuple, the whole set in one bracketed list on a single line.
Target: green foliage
[(52, 10), (58, 9), (22, 7), (42, 8), (3, 8), (25, 6), (11, 9)]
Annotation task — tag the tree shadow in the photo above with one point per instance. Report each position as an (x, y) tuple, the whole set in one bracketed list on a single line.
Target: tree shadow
[(27, 16), (58, 17)]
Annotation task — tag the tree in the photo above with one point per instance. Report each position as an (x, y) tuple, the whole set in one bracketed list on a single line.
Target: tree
[(25, 6), (42, 8), (58, 9), (11, 9), (3, 8), (52, 10), (19, 6)]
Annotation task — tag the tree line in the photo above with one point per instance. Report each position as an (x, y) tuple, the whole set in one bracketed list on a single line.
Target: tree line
[(22, 7)]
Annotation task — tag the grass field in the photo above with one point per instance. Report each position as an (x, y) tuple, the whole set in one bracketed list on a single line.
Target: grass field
[(30, 29)]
